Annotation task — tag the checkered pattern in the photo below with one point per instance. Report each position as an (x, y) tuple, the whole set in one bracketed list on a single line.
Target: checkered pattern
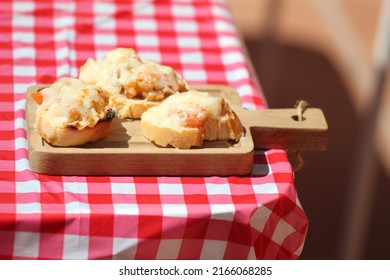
[(59, 217)]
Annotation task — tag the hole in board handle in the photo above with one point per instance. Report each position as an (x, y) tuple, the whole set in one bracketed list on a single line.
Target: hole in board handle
[(296, 118)]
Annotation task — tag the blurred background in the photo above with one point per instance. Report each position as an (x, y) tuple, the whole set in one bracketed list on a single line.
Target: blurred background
[(322, 51)]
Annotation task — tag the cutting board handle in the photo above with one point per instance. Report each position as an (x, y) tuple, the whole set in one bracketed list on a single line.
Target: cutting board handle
[(281, 129)]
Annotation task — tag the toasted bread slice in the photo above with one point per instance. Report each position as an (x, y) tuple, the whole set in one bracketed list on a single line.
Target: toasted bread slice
[(187, 119), (135, 85), (72, 113)]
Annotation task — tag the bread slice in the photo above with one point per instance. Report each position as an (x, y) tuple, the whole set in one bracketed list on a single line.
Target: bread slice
[(135, 85), (71, 113), (187, 119)]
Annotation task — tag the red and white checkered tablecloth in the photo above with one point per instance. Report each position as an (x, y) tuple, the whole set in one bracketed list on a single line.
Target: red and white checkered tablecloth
[(62, 217)]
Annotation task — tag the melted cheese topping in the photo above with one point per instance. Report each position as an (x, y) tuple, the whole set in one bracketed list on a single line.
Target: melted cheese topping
[(189, 109), (71, 103), (122, 72)]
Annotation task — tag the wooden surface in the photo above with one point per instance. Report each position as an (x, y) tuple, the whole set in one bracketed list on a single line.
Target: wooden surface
[(280, 129), (125, 151)]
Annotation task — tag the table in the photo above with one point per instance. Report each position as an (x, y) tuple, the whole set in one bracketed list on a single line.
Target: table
[(102, 217)]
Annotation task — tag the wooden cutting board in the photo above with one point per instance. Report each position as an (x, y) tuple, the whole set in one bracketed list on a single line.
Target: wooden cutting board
[(125, 151)]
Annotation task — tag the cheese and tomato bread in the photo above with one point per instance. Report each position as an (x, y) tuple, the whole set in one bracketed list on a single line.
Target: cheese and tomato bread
[(135, 85), (187, 119), (71, 113)]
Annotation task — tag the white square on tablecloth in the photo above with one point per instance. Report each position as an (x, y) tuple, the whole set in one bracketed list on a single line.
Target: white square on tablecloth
[(145, 24), (151, 56), (224, 26), (123, 188), (104, 7), (19, 123), (26, 244), (22, 20), (266, 188), (174, 210), (186, 26), (213, 250), (63, 70), (63, 21), (170, 189), (20, 88), (77, 207), (143, 8), (194, 57), (25, 70), (183, 10), (126, 209), (65, 35), (222, 212), (124, 248), (24, 52), (245, 90), (23, 37), (20, 105), (282, 230), (218, 188), (28, 208), (75, 247), (76, 187), (188, 42), (260, 217), (237, 74), (21, 143), (28, 186), (220, 12), (168, 249), (228, 41), (147, 40), (104, 39), (68, 6), (104, 22), (74, 71), (99, 54), (23, 6), (252, 253), (232, 57), (22, 164), (195, 75)]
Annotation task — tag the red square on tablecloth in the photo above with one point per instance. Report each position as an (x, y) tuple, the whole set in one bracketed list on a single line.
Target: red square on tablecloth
[(101, 225), (149, 227), (53, 223), (8, 198), (97, 198), (51, 198), (51, 246), (7, 243)]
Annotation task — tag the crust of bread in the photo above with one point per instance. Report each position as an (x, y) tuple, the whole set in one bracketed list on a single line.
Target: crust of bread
[(178, 137), (231, 128), (186, 137), (68, 136)]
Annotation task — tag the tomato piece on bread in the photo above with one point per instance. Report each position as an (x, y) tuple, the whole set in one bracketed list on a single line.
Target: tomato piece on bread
[(38, 97)]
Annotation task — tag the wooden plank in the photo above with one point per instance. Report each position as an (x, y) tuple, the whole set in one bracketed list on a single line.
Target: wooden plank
[(280, 129), (125, 151)]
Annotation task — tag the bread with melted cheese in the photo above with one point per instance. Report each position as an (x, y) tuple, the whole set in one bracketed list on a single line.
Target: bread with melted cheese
[(135, 85), (72, 113), (187, 119)]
